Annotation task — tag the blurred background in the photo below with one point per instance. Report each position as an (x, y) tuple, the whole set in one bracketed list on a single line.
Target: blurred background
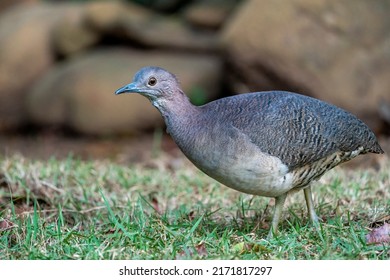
[(61, 61)]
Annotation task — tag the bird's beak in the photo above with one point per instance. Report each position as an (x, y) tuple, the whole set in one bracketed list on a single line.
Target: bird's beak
[(127, 88)]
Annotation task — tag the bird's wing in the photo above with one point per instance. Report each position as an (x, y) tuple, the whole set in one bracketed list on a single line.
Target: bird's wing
[(299, 130)]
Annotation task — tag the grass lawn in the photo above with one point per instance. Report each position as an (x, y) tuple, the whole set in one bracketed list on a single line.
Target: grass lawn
[(73, 209)]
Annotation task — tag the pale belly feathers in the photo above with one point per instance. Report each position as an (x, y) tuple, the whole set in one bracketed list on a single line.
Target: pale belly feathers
[(246, 169)]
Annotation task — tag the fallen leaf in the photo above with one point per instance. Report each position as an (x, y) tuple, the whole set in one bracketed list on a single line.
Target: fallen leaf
[(156, 205), (191, 215), (6, 225), (201, 249), (239, 247), (379, 235), (112, 230)]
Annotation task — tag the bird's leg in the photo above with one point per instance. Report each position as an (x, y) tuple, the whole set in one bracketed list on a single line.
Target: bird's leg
[(310, 205), (278, 210)]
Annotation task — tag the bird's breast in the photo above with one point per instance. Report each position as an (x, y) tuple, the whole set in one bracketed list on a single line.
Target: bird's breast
[(231, 158)]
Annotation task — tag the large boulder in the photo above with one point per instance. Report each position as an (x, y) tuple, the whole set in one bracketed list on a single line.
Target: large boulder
[(6, 4), (131, 23), (209, 14), (80, 92), (127, 23), (338, 51), (72, 36), (25, 54)]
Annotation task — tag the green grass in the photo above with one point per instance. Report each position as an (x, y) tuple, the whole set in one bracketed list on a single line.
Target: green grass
[(72, 209)]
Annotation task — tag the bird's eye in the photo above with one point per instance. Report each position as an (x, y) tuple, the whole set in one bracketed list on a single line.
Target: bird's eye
[(152, 81)]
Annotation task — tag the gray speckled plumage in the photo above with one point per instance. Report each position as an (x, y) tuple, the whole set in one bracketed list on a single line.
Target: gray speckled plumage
[(264, 143), (295, 128)]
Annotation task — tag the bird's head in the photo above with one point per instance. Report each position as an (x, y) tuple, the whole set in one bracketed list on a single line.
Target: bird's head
[(155, 83)]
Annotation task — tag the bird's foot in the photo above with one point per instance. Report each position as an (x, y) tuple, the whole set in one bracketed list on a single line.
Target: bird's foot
[(271, 234)]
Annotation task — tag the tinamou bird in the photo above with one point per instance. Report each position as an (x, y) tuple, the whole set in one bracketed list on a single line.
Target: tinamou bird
[(263, 143)]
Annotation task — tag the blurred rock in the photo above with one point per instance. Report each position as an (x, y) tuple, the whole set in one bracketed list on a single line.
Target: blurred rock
[(338, 51), (210, 14), (5, 4), (109, 15), (80, 93), (71, 35), (104, 15), (134, 24), (98, 19), (384, 112), (162, 5), (25, 54)]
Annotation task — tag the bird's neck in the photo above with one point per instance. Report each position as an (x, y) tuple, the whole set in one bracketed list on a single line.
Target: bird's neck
[(178, 113)]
